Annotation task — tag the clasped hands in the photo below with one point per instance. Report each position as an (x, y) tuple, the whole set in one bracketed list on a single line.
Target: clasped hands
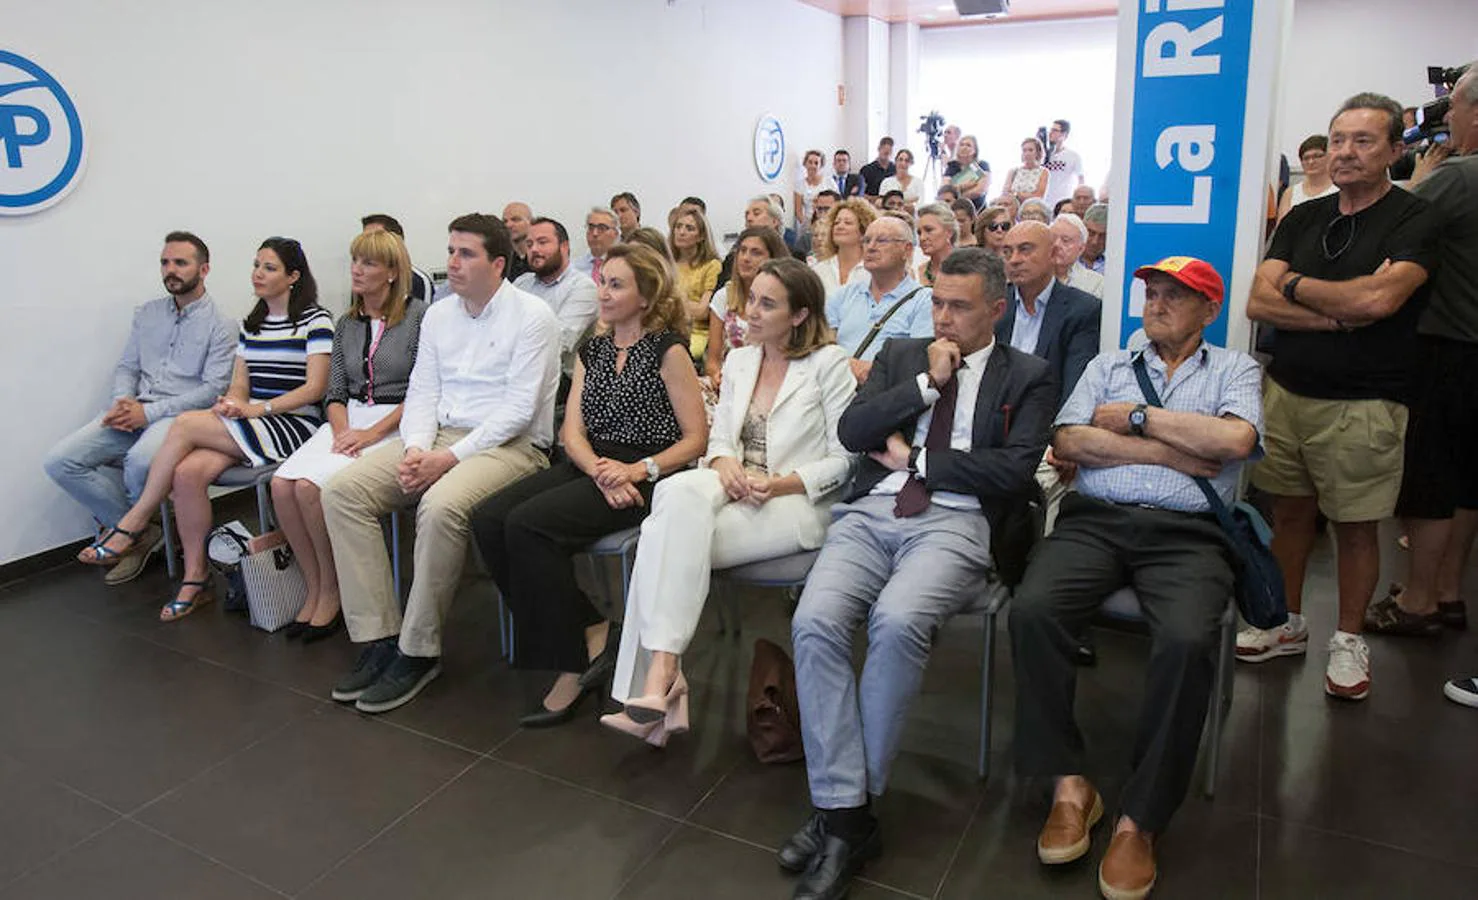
[(231, 409), (419, 469), (617, 482), (353, 441), (126, 414), (740, 485)]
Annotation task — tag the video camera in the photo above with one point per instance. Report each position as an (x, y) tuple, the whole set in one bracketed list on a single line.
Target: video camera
[(1431, 119), (932, 129)]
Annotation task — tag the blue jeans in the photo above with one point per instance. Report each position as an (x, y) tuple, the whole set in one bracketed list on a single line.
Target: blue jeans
[(103, 468), (903, 578)]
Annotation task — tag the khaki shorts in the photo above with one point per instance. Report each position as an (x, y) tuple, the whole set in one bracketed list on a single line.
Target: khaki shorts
[(1347, 453)]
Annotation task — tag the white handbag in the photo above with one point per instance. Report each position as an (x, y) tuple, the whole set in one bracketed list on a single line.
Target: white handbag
[(275, 589)]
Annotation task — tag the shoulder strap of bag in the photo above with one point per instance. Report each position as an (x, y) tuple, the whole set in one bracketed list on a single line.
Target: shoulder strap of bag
[(878, 325), (1218, 508)]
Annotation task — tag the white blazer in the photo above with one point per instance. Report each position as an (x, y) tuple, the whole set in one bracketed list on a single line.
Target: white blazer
[(801, 432)]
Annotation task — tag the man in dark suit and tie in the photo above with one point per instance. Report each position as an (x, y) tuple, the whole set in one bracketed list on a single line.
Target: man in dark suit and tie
[(1043, 316), (952, 430), (1047, 318), (847, 184)]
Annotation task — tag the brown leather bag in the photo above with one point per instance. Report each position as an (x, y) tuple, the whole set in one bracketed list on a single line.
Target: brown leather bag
[(774, 713)]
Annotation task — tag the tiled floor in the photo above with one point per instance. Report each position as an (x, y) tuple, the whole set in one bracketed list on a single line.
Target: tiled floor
[(203, 760)]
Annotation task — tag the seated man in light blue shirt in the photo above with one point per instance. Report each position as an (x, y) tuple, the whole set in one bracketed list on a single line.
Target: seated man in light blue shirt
[(179, 357), (1139, 519), (888, 304)]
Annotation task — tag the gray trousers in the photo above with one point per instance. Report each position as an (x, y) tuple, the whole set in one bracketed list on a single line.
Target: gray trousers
[(904, 577)]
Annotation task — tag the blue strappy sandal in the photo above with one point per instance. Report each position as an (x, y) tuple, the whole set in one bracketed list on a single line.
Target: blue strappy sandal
[(103, 555), (177, 609)]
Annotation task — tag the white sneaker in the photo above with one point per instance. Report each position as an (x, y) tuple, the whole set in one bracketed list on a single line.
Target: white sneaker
[(1348, 673), (1258, 644), (1462, 690)]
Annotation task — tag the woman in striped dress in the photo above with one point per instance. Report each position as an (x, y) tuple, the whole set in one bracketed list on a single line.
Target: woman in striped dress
[(270, 409)]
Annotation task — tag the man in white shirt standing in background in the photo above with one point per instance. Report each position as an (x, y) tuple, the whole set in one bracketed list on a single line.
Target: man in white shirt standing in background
[(478, 415), (1064, 166)]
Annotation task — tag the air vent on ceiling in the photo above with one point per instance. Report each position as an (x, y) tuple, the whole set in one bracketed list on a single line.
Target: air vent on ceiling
[(983, 7)]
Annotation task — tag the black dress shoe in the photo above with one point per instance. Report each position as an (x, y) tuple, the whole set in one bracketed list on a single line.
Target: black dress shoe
[(832, 870), (1454, 615), (800, 848), (549, 718), (294, 630), (1085, 655), (603, 666), (313, 633)]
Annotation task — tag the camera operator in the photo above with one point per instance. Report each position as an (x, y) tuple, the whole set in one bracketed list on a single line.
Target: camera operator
[(1344, 282)]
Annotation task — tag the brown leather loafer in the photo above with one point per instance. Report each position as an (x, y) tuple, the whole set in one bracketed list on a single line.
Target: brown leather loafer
[(1128, 868), (1066, 836)]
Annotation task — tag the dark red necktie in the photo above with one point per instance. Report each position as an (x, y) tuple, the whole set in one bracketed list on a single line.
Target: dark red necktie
[(914, 497)]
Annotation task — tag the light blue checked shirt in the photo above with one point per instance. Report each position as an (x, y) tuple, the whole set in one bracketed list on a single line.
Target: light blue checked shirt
[(1213, 382), (851, 312)]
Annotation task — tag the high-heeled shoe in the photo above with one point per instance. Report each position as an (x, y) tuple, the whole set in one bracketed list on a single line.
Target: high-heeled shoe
[(670, 710), (544, 717), (313, 633), (652, 732), (294, 629)]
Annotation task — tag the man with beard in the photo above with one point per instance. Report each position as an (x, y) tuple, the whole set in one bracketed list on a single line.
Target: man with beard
[(179, 356), (516, 216), (568, 292)]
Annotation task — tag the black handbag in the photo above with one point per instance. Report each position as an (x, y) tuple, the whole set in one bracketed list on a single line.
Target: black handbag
[(1260, 596)]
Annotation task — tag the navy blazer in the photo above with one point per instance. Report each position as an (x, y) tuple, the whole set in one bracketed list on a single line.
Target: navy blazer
[(1069, 336), (1013, 421)]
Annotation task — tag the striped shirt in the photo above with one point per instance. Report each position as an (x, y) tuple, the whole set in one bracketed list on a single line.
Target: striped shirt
[(277, 356), (1214, 381)]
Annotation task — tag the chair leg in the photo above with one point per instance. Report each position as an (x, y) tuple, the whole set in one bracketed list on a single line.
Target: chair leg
[(987, 682), (395, 553), (166, 522), (264, 506), (1220, 697)]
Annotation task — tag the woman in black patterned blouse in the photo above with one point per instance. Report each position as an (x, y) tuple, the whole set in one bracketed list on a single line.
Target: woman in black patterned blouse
[(635, 413)]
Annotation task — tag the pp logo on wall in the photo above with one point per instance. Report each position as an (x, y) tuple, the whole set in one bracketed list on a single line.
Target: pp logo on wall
[(42, 152), (769, 148)]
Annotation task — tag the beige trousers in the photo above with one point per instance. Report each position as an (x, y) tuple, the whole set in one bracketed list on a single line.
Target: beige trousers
[(356, 498)]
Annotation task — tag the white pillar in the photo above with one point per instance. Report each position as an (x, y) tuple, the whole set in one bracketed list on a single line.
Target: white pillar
[(1194, 108), (903, 88), (865, 79)]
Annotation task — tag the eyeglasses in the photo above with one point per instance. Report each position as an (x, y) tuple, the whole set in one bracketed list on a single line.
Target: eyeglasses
[(998, 226), (1336, 222), (598, 226), (882, 241)]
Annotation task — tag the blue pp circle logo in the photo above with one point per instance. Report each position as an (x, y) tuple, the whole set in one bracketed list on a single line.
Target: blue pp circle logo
[(41, 146), (769, 148)]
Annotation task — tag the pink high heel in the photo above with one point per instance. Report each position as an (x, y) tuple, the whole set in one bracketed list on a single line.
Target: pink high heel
[(653, 719), (653, 732)]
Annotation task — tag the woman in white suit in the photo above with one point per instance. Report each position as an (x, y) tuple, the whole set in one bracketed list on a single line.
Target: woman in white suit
[(774, 465)]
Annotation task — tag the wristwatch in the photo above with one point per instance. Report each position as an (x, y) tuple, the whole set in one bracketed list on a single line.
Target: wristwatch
[(913, 461), (653, 470), (1289, 289), (1137, 418), (267, 407)]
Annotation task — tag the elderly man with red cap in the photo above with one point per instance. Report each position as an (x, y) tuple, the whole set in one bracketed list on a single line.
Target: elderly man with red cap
[(1140, 518)]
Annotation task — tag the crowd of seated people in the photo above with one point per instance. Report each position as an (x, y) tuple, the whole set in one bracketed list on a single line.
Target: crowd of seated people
[(894, 402)]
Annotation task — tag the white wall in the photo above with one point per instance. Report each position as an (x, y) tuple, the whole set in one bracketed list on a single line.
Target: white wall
[(1002, 82), (241, 121), (1342, 47)]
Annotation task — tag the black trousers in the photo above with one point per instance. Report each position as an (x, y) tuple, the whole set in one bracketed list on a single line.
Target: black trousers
[(1178, 566), (528, 534)]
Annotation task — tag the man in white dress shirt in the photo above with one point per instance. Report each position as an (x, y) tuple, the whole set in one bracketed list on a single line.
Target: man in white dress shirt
[(478, 415), (1069, 238), (569, 293)]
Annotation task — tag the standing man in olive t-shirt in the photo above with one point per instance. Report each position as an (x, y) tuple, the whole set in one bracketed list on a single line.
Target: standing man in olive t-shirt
[(1344, 282)]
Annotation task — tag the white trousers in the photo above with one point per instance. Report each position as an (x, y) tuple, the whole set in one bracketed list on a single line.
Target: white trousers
[(695, 528)]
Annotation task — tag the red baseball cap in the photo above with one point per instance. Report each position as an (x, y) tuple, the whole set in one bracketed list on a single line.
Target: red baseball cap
[(1196, 274)]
